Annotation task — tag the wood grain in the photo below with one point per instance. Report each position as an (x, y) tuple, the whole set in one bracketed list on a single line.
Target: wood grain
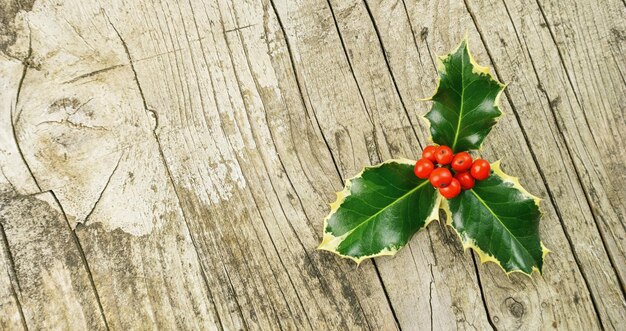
[(168, 164)]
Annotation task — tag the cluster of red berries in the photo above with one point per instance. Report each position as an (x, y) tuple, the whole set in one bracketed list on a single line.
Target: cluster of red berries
[(436, 165)]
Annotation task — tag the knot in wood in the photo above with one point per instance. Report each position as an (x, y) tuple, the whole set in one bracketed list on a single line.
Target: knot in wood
[(515, 307)]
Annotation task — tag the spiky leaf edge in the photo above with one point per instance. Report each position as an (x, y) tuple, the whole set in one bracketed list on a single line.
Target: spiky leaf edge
[(475, 68), (468, 243), (330, 242)]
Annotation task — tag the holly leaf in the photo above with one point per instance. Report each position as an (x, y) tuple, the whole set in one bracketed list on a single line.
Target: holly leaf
[(465, 105), (499, 219), (378, 211)]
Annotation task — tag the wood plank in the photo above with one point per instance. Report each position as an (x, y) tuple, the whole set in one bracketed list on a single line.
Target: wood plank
[(11, 313), (11, 316), (48, 265)]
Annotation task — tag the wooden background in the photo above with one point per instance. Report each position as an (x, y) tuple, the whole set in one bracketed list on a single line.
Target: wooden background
[(167, 164)]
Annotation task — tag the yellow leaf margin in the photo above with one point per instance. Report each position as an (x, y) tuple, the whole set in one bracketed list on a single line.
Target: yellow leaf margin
[(331, 242)]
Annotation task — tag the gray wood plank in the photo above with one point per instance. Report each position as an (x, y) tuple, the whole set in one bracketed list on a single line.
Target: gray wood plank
[(48, 265)]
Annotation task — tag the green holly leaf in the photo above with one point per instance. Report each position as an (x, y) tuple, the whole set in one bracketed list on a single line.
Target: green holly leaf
[(465, 105), (499, 219), (378, 211)]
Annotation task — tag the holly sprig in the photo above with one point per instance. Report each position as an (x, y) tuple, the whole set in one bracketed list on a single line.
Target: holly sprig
[(381, 208)]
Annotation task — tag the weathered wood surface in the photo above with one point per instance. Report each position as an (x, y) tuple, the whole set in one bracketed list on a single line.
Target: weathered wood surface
[(168, 164)]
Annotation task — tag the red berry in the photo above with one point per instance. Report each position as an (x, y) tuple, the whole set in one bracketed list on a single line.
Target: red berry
[(462, 162), (480, 169), (451, 190), (444, 155), (465, 179), (423, 168), (429, 153), (440, 177)]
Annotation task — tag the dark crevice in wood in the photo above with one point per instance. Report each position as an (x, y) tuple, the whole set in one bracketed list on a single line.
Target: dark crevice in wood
[(278, 254), (299, 84), (558, 50), (238, 29), (536, 162), (83, 258), (508, 13), (11, 260), (170, 177), (25, 64), (619, 69), (18, 303), (414, 37), (393, 311), (8, 180), (106, 185), (393, 78), (93, 73), (482, 293), (562, 60), (15, 120), (356, 81), (423, 36), (430, 295), (345, 52), (240, 311)]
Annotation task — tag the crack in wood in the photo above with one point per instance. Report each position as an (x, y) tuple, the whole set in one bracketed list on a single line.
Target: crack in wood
[(18, 302), (296, 76), (93, 73), (393, 78), (12, 274), (482, 293), (15, 120), (106, 185), (82, 257), (430, 295)]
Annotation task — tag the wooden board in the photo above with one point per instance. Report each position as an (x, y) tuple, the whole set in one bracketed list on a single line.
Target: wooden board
[(168, 164)]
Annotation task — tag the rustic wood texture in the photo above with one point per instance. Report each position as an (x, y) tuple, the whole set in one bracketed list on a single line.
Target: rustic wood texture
[(168, 164)]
